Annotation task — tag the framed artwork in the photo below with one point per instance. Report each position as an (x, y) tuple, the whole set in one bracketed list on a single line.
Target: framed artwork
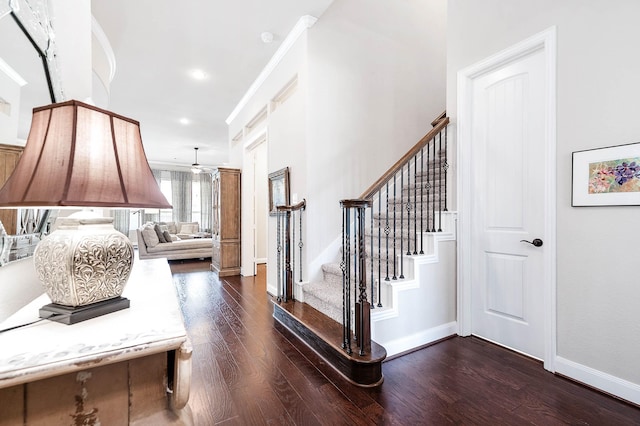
[(606, 176), (278, 189)]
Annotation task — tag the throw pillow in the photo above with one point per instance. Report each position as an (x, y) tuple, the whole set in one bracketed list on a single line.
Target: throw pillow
[(173, 229), (149, 236), (161, 238), (167, 236), (189, 228)]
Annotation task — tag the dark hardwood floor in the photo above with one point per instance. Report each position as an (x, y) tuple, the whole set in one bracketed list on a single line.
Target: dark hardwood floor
[(248, 370)]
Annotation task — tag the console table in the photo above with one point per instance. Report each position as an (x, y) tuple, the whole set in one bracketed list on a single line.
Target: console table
[(127, 367)]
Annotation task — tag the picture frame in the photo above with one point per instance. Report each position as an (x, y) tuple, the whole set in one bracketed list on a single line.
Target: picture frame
[(607, 176), (278, 189)]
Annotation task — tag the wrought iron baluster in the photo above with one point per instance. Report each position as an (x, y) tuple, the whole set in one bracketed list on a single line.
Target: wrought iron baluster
[(433, 203), (387, 230), (288, 278), (371, 260), (440, 182), (379, 251), (355, 267), (395, 200), (428, 187), (293, 251), (363, 312), (422, 200), (346, 281), (408, 208), (278, 260), (402, 222), (300, 243), (415, 204), (446, 167)]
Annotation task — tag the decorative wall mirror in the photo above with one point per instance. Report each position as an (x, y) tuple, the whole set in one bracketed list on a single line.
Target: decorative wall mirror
[(28, 79), (278, 189)]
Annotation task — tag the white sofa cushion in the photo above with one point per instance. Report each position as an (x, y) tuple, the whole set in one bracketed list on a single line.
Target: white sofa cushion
[(150, 236), (182, 245), (189, 228)]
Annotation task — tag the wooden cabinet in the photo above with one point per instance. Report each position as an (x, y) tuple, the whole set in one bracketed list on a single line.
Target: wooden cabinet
[(9, 155), (225, 259), (129, 367)]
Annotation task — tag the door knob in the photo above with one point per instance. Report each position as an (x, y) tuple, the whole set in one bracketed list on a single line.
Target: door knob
[(537, 242)]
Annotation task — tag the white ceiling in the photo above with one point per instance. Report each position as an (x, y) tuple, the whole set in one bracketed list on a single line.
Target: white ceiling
[(157, 43)]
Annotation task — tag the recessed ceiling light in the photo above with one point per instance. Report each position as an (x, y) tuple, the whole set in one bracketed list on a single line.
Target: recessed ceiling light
[(266, 37), (198, 74), (185, 121)]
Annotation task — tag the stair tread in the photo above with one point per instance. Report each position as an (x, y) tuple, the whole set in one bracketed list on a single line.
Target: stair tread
[(324, 336)]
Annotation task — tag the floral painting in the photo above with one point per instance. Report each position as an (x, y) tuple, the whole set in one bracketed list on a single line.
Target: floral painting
[(608, 176), (614, 176)]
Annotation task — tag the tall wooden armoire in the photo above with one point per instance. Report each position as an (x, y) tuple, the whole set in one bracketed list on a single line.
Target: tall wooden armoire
[(9, 155), (226, 222)]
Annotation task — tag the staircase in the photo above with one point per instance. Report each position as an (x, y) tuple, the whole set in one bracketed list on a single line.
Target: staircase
[(391, 288), (401, 318)]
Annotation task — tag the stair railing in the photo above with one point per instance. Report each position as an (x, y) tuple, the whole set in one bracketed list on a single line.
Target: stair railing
[(420, 203), (353, 211), (288, 218), (419, 206)]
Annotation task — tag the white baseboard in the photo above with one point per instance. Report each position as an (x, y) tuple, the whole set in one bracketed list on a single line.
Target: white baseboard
[(298, 294), (272, 289), (611, 384), (422, 338)]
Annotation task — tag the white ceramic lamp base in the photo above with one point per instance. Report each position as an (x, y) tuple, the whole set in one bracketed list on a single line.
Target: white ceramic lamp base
[(84, 261)]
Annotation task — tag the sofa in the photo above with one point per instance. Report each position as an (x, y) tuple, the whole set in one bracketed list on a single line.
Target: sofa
[(173, 241)]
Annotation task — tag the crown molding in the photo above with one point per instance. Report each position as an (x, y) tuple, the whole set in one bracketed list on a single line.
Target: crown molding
[(304, 23), (11, 73), (103, 41)]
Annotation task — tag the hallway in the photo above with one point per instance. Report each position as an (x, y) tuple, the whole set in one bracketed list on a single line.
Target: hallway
[(247, 371)]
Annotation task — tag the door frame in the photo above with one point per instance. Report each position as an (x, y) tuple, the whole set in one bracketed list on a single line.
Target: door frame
[(249, 243), (545, 41)]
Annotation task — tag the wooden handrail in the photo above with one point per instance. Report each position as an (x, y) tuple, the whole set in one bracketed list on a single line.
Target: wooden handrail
[(441, 124), (295, 207), (438, 119), (350, 204)]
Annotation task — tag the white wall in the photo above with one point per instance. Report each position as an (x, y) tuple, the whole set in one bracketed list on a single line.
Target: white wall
[(72, 25), (19, 285), (371, 78), (597, 106), (285, 129), (261, 202), (9, 93), (376, 81), (255, 198)]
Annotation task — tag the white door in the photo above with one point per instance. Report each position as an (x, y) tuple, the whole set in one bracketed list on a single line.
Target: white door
[(255, 204), (508, 204), (261, 202)]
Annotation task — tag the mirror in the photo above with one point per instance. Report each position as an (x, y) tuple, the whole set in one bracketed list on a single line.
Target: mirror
[(28, 79)]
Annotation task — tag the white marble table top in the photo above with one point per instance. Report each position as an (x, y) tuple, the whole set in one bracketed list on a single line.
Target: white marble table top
[(152, 324)]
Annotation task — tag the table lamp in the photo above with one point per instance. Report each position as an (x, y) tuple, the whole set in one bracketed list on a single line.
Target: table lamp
[(78, 155)]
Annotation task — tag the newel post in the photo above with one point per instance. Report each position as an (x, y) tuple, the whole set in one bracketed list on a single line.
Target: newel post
[(354, 267)]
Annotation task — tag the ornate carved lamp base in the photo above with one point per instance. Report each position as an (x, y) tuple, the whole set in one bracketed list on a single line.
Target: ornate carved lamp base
[(84, 261)]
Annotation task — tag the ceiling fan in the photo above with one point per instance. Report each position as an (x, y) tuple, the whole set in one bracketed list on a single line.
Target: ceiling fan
[(196, 168)]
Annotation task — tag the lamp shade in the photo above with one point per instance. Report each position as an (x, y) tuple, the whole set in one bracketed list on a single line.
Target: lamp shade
[(78, 155)]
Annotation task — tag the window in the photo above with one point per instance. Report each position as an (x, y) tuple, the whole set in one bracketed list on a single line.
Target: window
[(137, 218), (196, 202)]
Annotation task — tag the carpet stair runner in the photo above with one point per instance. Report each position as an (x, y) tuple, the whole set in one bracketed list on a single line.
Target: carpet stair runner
[(326, 295)]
